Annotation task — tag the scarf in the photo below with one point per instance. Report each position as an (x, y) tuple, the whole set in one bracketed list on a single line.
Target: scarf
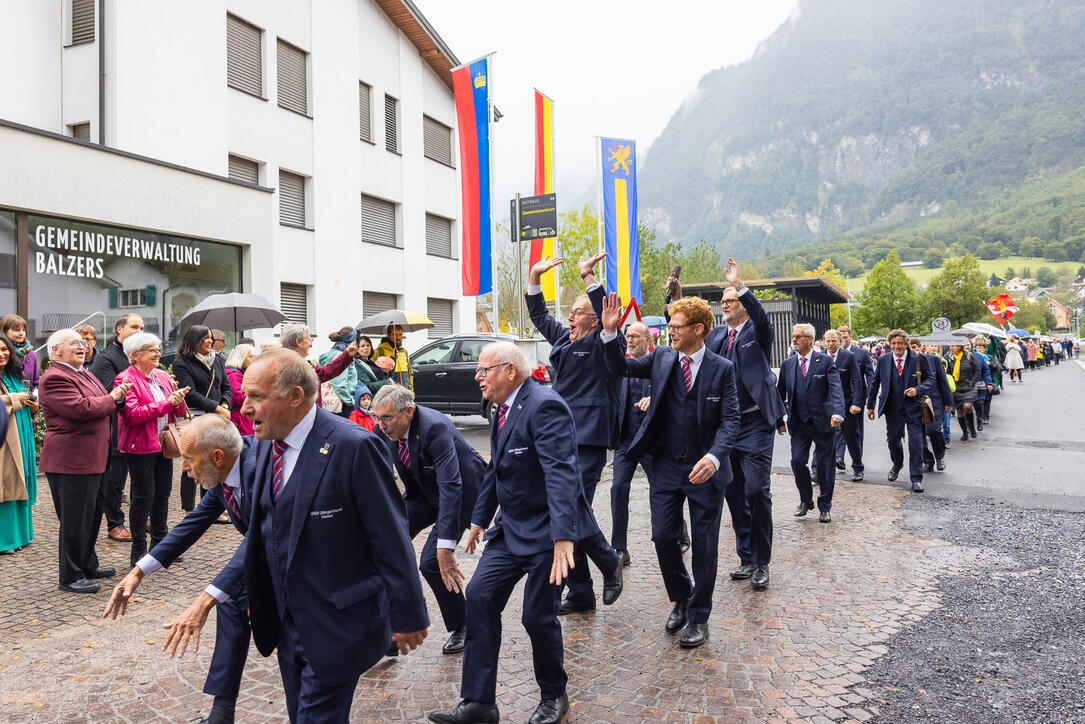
[(957, 366), (22, 349), (208, 360)]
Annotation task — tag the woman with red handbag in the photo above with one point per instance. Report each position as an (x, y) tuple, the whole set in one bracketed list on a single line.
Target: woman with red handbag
[(150, 405)]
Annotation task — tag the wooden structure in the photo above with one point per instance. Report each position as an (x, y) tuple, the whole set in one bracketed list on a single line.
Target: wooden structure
[(800, 299)]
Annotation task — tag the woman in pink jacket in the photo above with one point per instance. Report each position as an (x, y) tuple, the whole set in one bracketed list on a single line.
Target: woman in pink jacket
[(150, 405)]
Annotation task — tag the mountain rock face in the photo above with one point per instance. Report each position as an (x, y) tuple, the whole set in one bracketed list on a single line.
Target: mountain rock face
[(862, 112)]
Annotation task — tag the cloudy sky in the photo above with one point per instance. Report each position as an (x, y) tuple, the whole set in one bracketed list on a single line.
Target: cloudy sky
[(612, 68)]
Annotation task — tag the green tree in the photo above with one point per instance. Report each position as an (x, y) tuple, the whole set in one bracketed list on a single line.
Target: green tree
[(1010, 273), (1031, 315), (1031, 246), (1081, 271), (989, 250), (958, 292), (888, 300), (1046, 277), (838, 313), (932, 258)]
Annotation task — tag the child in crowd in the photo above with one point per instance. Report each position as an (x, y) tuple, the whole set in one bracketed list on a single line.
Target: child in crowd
[(363, 413)]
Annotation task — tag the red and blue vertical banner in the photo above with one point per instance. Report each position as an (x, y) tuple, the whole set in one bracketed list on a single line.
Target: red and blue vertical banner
[(544, 184), (621, 241), (471, 87)]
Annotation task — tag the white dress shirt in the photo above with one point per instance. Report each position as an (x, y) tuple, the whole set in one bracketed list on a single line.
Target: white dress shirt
[(295, 441), (508, 401)]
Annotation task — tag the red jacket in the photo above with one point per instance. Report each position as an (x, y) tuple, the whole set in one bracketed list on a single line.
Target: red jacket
[(242, 423), (77, 413), (138, 421)]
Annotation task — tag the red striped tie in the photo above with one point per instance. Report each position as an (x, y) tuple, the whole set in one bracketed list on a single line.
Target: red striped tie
[(802, 366), (502, 412), (900, 367), (687, 373), (231, 502), (731, 340), (278, 447), (404, 453)]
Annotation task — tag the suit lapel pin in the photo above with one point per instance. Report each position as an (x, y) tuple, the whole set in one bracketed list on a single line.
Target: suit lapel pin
[(519, 407), (324, 450)]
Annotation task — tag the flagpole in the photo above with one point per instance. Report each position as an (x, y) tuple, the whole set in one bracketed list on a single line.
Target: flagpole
[(554, 188), (599, 210), (481, 57), (493, 185)]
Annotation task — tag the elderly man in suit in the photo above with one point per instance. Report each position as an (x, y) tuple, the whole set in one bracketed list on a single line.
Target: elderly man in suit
[(220, 460), (854, 385), (690, 428), (581, 378), (942, 399), (441, 474), (79, 414), (809, 385), (534, 479), (896, 390), (852, 429)]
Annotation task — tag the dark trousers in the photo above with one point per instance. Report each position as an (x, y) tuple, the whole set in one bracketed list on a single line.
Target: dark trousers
[(75, 498), (803, 434), (421, 515), (592, 458), (494, 579), (345, 412), (937, 439), (850, 436), (749, 496), (231, 647), (669, 489), (895, 424), (624, 468), (152, 480), (188, 493), (308, 700), (112, 489)]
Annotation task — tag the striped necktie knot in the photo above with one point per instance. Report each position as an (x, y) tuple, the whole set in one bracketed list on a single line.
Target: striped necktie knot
[(687, 372), (405, 453), (278, 447), (502, 413)]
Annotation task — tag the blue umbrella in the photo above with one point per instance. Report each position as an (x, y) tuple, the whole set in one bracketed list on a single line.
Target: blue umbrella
[(654, 321), (1018, 333)]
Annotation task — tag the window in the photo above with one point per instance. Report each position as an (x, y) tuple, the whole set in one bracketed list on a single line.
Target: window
[(293, 302), (132, 298), (471, 349), (378, 221), (438, 236), (244, 56), (377, 302), (291, 199), (242, 169), (391, 124), (365, 116), (291, 75), (436, 355), (82, 21), (439, 312), (436, 140), (80, 131)]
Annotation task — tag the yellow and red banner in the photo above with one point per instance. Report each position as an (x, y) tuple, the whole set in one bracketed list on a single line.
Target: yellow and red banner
[(544, 184), (1002, 307)]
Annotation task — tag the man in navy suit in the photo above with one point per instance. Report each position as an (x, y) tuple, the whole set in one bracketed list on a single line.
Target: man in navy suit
[(854, 385), (580, 377), (441, 474), (220, 460), (942, 399), (633, 403), (746, 341), (897, 394), (689, 429), (852, 429), (533, 476), (809, 385), (323, 486)]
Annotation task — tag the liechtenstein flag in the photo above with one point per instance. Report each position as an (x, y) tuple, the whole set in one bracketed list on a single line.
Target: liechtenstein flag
[(621, 240), (471, 86)]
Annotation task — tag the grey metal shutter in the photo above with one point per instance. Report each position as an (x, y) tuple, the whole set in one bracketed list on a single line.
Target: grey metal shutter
[(438, 236), (243, 169), (291, 199), (439, 312), (391, 124), (365, 117), (378, 221), (81, 131), (436, 140), (82, 21), (244, 56), (293, 90), (377, 302), (293, 302)]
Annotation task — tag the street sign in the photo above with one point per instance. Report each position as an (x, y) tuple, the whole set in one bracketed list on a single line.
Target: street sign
[(538, 217)]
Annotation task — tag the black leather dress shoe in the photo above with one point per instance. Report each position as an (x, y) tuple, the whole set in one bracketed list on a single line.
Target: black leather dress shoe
[(939, 465), (743, 572), (858, 477), (694, 635), (928, 467), (824, 517), (612, 586), (393, 650), (550, 711), (455, 642), (107, 572), (570, 606), (803, 509), (893, 473), (760, 578), (623, 555), (678, 618), (469, 712), (917, 487), (840, 464), (81, 585)]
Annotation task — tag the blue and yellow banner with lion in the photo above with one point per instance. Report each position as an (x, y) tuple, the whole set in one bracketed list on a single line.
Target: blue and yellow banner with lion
[(620, 237)]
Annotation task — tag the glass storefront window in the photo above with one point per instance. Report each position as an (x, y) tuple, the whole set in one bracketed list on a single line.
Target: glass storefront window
[(8, 269)]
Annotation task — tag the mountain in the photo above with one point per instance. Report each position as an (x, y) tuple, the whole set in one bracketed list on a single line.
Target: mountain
[(865, 117)]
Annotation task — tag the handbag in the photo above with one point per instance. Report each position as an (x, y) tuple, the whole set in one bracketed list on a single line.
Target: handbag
[(329, 400), (925, 404), (170, 437)]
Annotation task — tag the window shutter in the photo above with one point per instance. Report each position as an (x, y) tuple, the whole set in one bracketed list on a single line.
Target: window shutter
[(113, 294), (82, 21), (377, 302), (291, 199), (378, 221), (149, 295), (438, 236), (391, 124), (293, 302), (244, 56), (293, 91), (436, 140), (365, 118), (242, 169), (439, 312)]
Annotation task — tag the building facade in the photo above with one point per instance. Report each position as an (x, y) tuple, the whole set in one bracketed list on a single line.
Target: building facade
[(151, 154)]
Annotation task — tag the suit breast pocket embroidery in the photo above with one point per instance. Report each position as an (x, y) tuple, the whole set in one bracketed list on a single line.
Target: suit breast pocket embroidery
[(712, 398), (749, 344), (516, 450), (327, 514)]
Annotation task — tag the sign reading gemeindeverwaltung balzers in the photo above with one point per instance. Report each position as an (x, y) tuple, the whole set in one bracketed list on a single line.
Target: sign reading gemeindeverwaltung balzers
[(78, 243)]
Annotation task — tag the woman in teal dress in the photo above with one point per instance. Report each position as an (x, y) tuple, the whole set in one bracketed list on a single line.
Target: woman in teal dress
[(18, 461)]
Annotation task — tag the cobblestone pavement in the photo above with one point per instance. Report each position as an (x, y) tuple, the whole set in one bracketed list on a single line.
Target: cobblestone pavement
[(794, 652)]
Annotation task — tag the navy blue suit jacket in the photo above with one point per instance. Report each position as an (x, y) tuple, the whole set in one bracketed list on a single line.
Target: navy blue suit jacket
[(751, 353), (851, 378), (717, 401), (352, 570), (821, 387), (534, 475), (446, 471), (879, 387), (580, 375), (633, 388), (866, 366), (941, 395)]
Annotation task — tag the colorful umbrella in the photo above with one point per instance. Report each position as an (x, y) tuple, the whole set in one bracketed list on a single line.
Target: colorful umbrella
[(409, 321)]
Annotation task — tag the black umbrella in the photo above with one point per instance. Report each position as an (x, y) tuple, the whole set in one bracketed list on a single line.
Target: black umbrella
[(234, 312), (409, 321)]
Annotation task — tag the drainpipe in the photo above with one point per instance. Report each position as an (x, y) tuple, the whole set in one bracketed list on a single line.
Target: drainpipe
[(101, 72)]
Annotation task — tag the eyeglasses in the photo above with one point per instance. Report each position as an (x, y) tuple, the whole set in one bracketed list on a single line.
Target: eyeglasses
[(481, 372), (78, 343), (153, 351), (385, 419), (801, 336), (634, 336), (728, 302), (577, 312), (681, 326)]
